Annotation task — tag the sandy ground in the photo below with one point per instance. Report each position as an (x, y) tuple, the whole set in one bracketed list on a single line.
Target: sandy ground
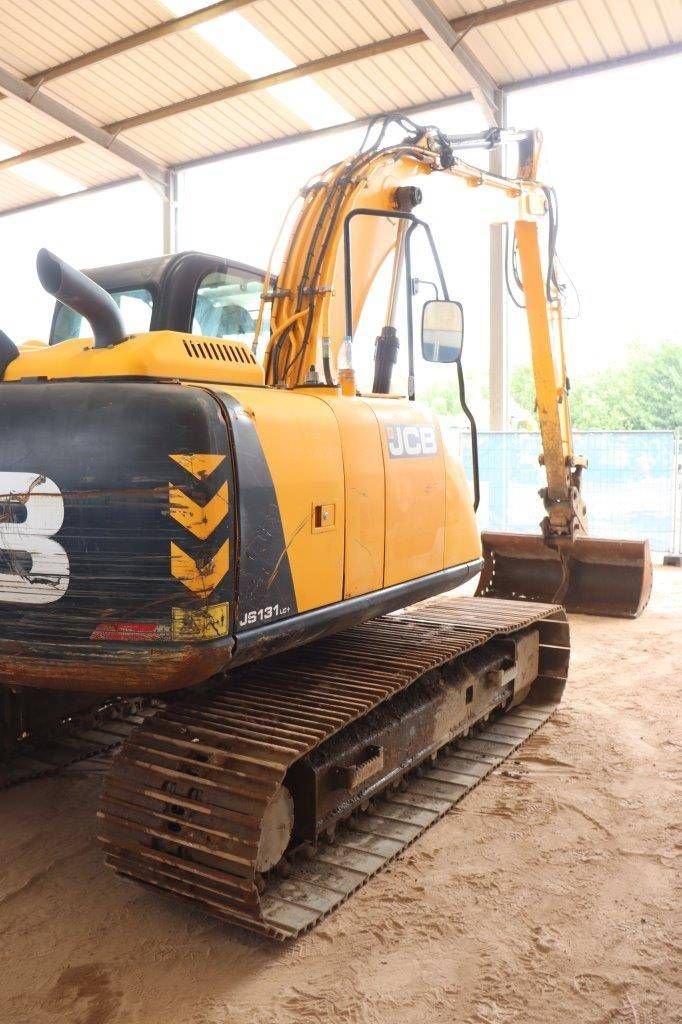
[(549, 895)]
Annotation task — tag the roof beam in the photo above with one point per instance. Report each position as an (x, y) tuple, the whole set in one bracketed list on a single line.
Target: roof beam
[(85, 130), (613, 64), (335, 60), (451, 44), (131, 42)]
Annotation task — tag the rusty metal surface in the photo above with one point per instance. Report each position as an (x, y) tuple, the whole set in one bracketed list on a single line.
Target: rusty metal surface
[(587, 575), (78, 739), (182, 806), (106, 668)]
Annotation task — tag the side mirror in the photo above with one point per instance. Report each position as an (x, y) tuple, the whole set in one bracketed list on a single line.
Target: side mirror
[(442, 331)]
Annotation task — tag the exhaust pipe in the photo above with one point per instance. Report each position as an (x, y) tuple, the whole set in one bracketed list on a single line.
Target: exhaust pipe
[(82, 295)]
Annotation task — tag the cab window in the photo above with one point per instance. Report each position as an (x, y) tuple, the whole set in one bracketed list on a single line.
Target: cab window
[(227, 307), (135, 305)]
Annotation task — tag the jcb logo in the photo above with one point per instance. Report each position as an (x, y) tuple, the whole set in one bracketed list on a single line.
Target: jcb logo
[(411, 441), (34, 568)]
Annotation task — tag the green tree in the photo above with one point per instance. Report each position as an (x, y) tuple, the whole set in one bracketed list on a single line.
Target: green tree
[(443, 398), (645, 394)]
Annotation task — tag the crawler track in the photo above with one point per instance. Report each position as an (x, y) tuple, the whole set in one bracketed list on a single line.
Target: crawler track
[(76, 739), (183, 805)]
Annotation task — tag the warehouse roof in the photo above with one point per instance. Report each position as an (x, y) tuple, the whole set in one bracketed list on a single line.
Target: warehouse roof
[(94, 92)]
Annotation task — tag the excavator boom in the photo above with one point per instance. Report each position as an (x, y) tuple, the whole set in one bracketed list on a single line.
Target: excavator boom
[(314, 305)]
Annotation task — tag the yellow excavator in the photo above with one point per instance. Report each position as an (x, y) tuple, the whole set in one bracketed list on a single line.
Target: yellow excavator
[(234, 569)]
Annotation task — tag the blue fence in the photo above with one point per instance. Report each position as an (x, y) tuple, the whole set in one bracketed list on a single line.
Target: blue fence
[(630, 485)]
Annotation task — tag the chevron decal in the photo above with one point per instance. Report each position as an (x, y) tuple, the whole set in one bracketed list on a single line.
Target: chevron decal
[(201, 579), (201, 573), (200, 466), (200, 520)]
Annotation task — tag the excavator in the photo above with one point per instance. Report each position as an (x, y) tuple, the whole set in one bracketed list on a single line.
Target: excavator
[(236, 569)]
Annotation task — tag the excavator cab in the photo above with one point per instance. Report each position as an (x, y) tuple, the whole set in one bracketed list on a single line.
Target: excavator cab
[(191, 292)]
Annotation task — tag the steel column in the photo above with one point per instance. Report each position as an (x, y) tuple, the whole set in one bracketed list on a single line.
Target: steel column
[(499, 359), (170, 213)]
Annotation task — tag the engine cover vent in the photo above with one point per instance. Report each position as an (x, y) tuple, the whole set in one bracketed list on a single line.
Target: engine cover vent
[(219, 351)]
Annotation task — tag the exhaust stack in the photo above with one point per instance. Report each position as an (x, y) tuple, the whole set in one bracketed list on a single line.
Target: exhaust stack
[(82, 295)]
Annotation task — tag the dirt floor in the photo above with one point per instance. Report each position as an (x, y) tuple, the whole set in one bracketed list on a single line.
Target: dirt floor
[(549, 895)]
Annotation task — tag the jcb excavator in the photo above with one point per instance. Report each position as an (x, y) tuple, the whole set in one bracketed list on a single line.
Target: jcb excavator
[(180, 519)]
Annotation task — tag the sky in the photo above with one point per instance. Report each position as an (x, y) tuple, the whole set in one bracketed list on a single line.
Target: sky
[(611, 151)]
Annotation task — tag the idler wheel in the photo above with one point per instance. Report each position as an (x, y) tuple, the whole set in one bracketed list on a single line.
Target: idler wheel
[(276, 828)]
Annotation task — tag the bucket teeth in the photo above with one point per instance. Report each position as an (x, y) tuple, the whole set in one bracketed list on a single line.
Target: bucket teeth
[(588, 575)]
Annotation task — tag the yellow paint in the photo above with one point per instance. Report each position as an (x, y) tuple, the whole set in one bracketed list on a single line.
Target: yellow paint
[(462, 539), (363, 463), (206, 623), (300, 439), (199, 466), (201, 579), (157, 354), (549, 372), (200, 520), (365, 182), (415, 497)]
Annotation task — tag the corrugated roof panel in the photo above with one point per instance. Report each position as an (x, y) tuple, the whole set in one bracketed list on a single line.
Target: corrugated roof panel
[(39, 36), (367, 81), (380, 19), (499, 60), (25, 129), (15, 192), (28, 126), (606, 27), (568, 35), (651, 20), (304, 29), (282, 22), (419, 64), (402, 78), (552, 34), (671, 14), (460, 8), (497, 43), (630, 26), (90, 165), (581, 26), (151, 76), (420, 72), (231, 124), (194, 135), (515, 32), (349, 88), (446, 73)]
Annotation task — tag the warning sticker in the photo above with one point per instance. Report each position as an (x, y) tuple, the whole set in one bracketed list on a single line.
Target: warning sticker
[(206, 623)]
